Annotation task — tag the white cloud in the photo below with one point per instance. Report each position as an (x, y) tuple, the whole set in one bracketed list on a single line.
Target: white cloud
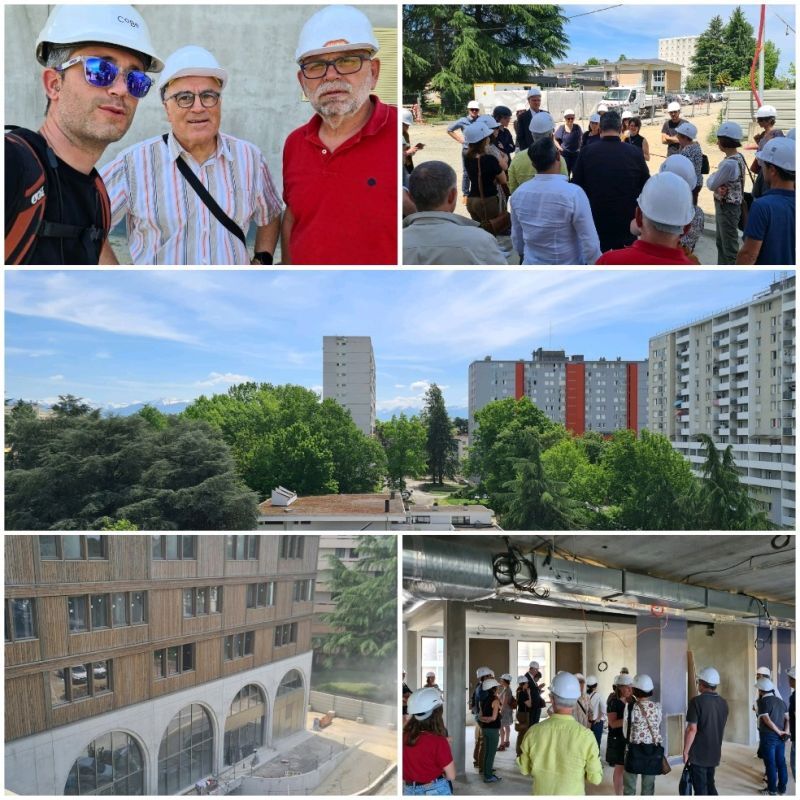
[(30, 353), (419, 386), (102, 354), (399, 386), (56, 378), (224, 379)]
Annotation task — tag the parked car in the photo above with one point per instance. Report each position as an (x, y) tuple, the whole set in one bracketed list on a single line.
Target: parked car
[(78, 674)]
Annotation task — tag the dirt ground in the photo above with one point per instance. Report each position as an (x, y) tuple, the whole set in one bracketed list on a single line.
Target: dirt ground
[(440, 147)]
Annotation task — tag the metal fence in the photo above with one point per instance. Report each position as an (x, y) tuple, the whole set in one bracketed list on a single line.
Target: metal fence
[(351, 708)]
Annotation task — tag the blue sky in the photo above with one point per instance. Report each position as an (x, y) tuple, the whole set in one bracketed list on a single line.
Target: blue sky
[(135, 336), (634, 29)]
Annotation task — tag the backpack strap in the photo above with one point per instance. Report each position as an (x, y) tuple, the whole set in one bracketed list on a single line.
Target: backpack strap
[(21, 231)]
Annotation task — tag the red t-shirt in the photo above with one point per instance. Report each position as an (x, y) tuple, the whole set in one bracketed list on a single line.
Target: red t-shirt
[(344, 203), (426, 760), (645, 253)]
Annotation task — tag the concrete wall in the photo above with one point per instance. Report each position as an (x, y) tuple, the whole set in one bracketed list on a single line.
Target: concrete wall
[(256, 43), (351, 708), (618, 649), (293, 784)]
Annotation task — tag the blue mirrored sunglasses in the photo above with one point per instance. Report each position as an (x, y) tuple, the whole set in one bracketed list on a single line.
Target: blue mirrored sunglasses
[(101, 73)]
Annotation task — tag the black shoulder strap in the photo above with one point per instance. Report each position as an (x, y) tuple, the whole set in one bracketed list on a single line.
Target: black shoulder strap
[(26, 223), (204, 195)]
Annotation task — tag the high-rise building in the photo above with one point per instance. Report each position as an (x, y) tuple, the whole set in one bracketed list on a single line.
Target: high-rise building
[(679, 50), (731, 375), (602, 395), (139, 664), (348, 376)]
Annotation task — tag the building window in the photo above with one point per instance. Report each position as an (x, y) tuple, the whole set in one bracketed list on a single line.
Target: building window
[(88, 547), (260, 594), (76, 682), (172, 548), (239, 645), (244, 726), (285, 634), (111, 764), (289, 713), (186, 751), (202, 600), (175, 660), (20, 623), (432, 660), (303, 591), (97, 611), (241, 548), (292, 546)]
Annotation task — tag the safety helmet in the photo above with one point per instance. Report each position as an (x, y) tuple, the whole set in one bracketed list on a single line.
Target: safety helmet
[(336, 29), (765, 685), (687, 129), (482, 672), (569, 112), (626, 115), (710, 676), (522, 679), (489, 121), (565, 685), (602, 107), (766, 111), (666, 198), (791, 672), (533, 665), (191, 60), (624, 679), (594, 118), (424, 702), (489, 683), (430, 674), (673, 106), (591, 680), (681, 166), (730, 129), (542, 123), (534, 92), (506, 676), (643, 682), (475, 132), (474, 104), (779, 152), (764, 671), (406, 116), (498, 112), (121, 26)]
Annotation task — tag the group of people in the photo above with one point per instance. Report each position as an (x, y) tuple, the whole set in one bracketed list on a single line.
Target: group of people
[(562, 752), (567, 196), (190, 195)]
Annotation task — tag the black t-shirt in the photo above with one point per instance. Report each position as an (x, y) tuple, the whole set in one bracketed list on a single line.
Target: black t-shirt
[(710, 713), (490, 169), (775, 708), (487, 711), (615, 706), (72, 198), (636, 140), (505, 142), (669, 127), (791, 715), (588, 138)]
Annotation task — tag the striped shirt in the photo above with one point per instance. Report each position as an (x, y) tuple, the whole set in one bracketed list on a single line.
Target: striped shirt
[(167, 221)]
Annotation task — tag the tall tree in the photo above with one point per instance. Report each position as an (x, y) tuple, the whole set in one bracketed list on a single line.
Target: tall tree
[(592, 62), (707, 54), (622, 57), (461, 424), (405, 442), (448, 48), (69, 405), (442, 448), (739, 45)]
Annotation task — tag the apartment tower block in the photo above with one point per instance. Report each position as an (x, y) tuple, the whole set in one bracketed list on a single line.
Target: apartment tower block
[(348, 376)]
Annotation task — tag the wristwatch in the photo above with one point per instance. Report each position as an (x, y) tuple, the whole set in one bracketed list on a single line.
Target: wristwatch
[(264, 257)]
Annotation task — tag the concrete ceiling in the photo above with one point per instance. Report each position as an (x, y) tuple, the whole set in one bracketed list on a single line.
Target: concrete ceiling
[(746, 563)]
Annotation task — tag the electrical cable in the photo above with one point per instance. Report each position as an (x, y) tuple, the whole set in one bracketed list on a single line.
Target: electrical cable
[(509, 566), (786, 541), (732, 566)]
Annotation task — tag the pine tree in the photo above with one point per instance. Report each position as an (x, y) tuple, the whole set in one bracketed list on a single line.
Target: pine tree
[(739, 45), (708, 51), (441, 446)]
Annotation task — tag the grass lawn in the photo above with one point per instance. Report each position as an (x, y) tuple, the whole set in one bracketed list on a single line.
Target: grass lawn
[(435, 488), (459, 501)]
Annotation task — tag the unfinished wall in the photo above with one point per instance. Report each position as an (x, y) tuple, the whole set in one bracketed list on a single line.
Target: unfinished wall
[(617, 648)]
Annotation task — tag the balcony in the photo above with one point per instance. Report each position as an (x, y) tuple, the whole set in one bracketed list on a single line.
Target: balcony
[(723, 401), (723, 386), (742, 337), (741, 368), (724, 417), (724, 372)]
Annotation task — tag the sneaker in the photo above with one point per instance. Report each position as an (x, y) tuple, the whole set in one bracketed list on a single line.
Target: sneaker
[(767, 792), (493, 779)]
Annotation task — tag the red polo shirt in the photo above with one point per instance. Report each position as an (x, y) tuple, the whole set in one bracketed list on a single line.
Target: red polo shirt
[(645, 253), (344, 203)]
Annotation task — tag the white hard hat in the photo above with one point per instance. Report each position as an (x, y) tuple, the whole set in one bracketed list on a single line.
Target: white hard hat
[(674, 106), (591, 680), (764, 671), (534, 92), (687, 129), (566, 685), (475, 132), (779, 152), (766, 111), (680, 165), (407, 117), (482, 672), (189, 61), (506, 676), (568, 112), (602, 107), (791, 672), (644, 682), (533, 665), (489, 683), (594, 118), (430, 674), (765, 685), (121, 26), (336, 29), (489, 121), (474, 104), (522, 679), (623, 679), (730, 129), (424, 702), (666, 198), (626, 115), (710, 676), (542, 123)]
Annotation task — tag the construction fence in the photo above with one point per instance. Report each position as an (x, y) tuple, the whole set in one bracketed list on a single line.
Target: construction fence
[(352, 708)]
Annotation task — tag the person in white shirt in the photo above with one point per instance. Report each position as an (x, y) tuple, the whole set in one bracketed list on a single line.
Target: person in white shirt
[(551, 219), (597, 711)]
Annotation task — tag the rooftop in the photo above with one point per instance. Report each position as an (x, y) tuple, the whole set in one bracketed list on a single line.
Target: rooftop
[(344, 505), (475, 509)]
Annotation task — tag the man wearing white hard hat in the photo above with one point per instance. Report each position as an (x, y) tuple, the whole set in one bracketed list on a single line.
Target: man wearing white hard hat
[(340, 168), (95, 61), (522, 126), (409, 150), (669, 129), (597, 709), (542, 126), (664, 212), (568, 139), (769, 236), (190, 195), (773, 733), (455, 130), (705, 726), (560, 754), (766, 117)]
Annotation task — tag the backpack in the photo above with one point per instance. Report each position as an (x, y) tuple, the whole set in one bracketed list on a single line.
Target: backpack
[(28, 222)]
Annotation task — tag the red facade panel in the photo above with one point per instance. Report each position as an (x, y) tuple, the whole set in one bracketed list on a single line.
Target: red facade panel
[(632, 397), (519, 380), (575, 416)]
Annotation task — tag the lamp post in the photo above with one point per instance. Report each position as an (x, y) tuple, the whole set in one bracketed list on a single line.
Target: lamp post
[(708, 101)]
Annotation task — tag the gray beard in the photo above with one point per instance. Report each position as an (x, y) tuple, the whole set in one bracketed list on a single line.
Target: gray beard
[(335, 113)]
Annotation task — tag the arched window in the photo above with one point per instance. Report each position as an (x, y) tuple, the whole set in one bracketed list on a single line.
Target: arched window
[(289, 709), (186, 751), (111, 764), (244, 727)]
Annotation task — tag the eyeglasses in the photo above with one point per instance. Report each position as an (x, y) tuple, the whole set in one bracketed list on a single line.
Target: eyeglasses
[(101, 73), (569, 118), (344, 65), (208, 98)]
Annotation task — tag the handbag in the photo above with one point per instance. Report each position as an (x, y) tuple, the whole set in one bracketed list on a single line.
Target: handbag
[(685, 783), (206, 197), (523, 721), (499, 225), (705, 167), (645, 759), (747, 197)]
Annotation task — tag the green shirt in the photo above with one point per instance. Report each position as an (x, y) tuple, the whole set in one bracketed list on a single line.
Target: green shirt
[(560, 754), (522, 170)]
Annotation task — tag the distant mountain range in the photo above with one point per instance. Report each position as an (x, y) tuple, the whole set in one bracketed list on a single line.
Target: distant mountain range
[(410, 411)]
